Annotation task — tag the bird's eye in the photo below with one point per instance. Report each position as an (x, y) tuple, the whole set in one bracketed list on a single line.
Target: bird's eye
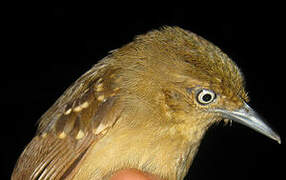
[(205, 96)]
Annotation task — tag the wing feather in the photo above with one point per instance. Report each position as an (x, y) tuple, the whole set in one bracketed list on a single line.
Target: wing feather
[(79, 118)]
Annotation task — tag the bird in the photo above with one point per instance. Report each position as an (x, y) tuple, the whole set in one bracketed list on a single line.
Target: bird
[(145, 106)]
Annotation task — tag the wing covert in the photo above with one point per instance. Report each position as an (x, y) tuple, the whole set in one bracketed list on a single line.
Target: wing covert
[(79, 118)]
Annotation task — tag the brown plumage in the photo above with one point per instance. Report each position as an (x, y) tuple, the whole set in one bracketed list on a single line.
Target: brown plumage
[(146, 106)]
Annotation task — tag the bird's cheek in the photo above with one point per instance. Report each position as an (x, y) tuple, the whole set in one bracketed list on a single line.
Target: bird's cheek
[(206, 119)]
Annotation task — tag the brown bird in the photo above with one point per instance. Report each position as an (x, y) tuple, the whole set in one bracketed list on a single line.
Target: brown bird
[(146, 106)]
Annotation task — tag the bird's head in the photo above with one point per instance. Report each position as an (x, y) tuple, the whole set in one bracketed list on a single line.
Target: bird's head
[(200, 84)]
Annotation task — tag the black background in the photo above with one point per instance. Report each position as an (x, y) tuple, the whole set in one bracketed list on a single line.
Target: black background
[(46, 48)]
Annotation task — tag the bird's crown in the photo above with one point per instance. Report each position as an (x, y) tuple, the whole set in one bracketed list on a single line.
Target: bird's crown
[(174, 54)]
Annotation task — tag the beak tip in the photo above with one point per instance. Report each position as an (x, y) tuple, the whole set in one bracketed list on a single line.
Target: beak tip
[(278, 139), (275, 136)]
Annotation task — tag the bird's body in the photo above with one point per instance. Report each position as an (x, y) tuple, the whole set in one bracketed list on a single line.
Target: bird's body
[(138, 108)]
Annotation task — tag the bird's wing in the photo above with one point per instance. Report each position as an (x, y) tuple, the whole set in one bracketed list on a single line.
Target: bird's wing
[(78, 119)]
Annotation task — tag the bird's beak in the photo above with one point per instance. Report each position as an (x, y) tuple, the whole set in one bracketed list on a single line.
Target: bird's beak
[(248, 117)]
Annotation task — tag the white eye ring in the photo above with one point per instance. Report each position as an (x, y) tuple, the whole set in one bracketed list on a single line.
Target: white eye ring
[(205, 96)]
